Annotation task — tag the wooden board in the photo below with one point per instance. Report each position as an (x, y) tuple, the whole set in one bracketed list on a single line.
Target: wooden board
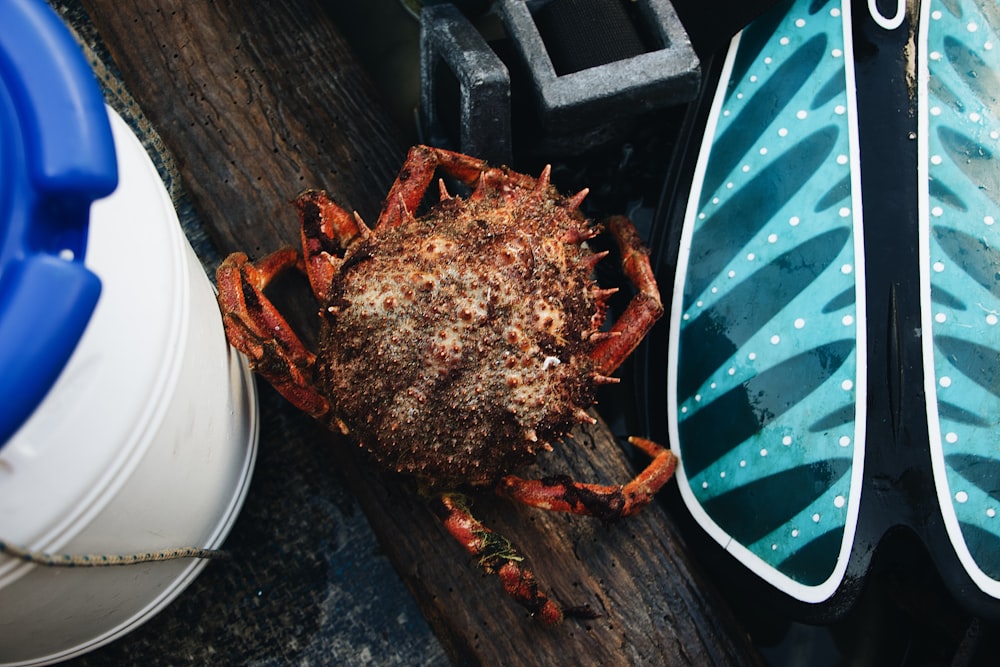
[(257, 101)]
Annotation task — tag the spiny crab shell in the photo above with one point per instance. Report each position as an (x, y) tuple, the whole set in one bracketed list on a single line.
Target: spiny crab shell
[(457, 343)]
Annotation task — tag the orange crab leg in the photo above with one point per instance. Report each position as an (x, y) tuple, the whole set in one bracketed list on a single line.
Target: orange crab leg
[(418, 171), (499, 557), (645, 307), (255, 327), (328, 232), (415, 177), (561, 494)]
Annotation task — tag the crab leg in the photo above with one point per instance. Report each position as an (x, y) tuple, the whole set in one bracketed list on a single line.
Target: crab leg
[(255, 327), (645, 307), (562, 494), (415, 177), (497, 556), (328, 232), (418, 171)]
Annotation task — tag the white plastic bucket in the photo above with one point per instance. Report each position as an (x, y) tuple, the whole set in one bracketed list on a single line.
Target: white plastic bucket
[(146, 441)]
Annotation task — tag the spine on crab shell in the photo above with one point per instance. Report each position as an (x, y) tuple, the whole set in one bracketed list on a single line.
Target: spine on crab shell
[(578, 235), (479, 188), (403, 214), (443, 194), (593, 260), (544, 178), (574, 202), (602, 294)]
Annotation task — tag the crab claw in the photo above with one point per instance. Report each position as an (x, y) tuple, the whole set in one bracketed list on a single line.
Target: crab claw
[(255, 327)]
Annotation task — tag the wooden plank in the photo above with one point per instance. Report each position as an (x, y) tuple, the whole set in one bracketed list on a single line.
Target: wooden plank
[(257, 101)]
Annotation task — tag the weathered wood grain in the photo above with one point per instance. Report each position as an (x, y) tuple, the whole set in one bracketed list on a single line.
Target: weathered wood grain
[(257, 101)]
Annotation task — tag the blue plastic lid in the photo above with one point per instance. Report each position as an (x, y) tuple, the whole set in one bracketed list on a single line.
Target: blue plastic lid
[(56, 157)]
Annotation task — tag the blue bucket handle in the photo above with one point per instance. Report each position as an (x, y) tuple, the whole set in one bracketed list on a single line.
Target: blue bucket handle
[(65, 161)]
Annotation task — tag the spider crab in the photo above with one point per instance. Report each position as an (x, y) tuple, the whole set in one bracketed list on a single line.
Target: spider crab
[(456, 344)]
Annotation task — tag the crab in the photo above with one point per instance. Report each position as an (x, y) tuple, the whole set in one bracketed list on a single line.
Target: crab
[(456, 344)]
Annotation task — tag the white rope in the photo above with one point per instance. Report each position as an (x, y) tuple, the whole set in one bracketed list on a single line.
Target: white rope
[(104, 560)]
